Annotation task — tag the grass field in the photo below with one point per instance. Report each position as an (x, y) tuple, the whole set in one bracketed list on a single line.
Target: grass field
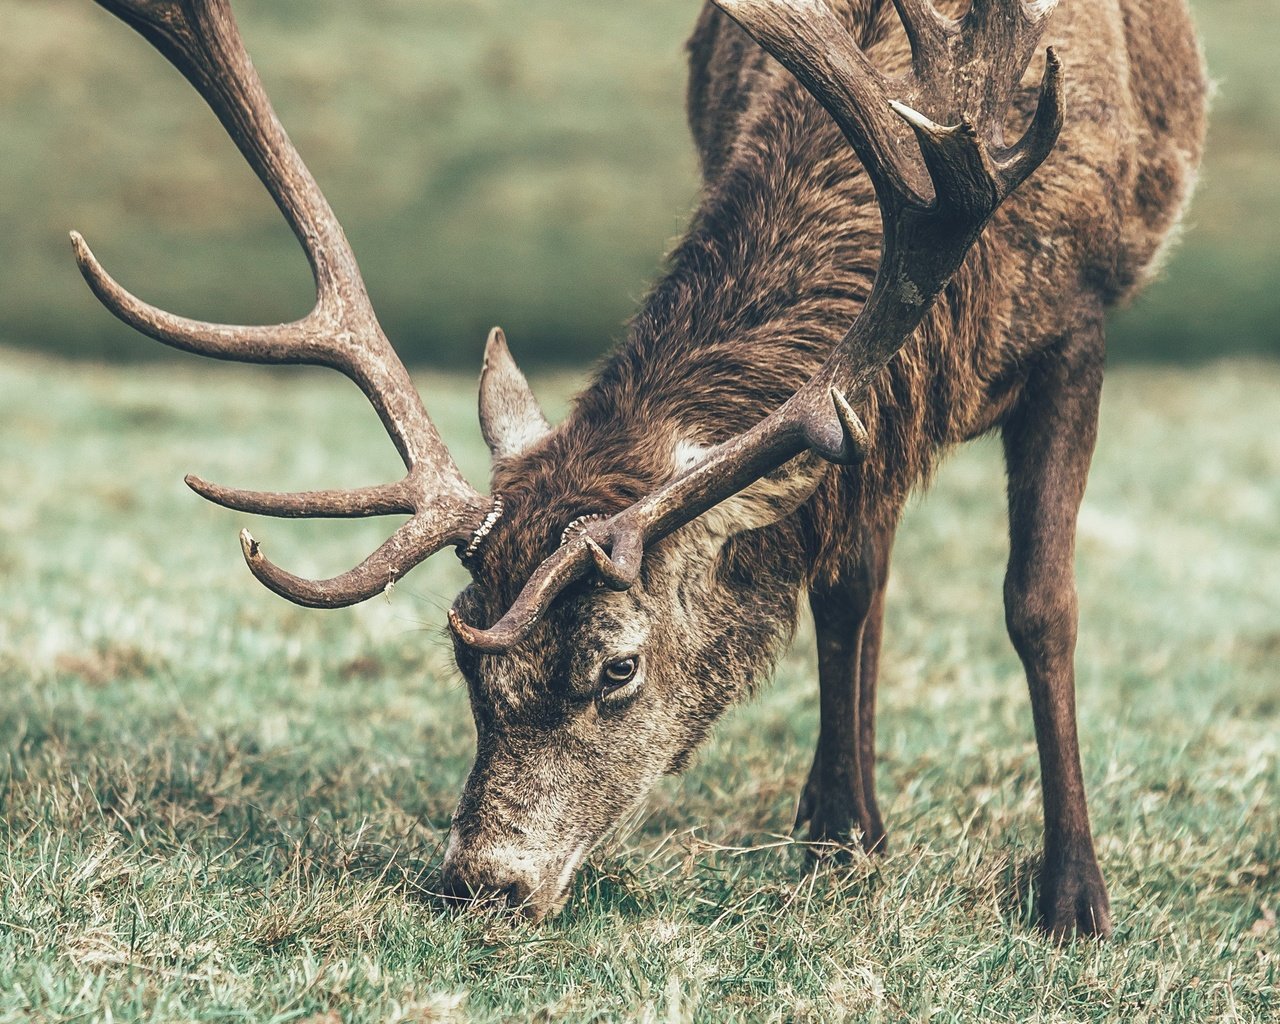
[(216, 806), (522, 162)]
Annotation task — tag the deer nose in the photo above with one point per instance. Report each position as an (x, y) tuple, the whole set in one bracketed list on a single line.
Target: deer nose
[(488, 878)]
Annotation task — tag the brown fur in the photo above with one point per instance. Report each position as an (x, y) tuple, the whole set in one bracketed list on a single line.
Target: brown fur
[(784, 247), (774, 268)]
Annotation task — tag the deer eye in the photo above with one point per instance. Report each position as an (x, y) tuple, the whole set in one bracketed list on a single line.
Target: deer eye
[(617, 674)]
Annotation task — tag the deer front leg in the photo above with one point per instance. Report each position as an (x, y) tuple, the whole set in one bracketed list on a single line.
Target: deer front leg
[(1048, 446), (839, 795), (873, 836)]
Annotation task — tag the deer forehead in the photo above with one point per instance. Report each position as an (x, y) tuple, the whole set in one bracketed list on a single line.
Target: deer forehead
[(608, 626)]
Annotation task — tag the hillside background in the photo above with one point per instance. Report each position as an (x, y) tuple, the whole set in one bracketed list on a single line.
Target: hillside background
[(523, 163)]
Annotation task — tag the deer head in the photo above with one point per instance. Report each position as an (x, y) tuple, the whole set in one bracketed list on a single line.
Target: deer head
[(625, 589)]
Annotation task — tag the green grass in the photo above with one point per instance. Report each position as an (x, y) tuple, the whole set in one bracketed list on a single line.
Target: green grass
[(216, 806), (522, 162)]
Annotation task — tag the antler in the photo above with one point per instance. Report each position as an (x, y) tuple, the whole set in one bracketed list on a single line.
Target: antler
[(933, 208), (200, 39)]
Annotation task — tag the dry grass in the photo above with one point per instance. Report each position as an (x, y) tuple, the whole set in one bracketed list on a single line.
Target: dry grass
[(218, 807)]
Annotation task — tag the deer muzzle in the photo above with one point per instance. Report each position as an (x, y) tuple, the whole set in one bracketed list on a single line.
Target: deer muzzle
[(532, 882)]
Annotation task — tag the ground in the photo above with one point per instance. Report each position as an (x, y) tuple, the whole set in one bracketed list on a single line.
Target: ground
[(216, 806)]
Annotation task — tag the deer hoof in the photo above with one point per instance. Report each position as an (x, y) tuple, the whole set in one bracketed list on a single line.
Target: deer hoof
[(1073, 899), (837, 821)]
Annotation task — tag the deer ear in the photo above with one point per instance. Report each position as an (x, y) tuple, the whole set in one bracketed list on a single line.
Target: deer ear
[(767, 501), (510, 418)]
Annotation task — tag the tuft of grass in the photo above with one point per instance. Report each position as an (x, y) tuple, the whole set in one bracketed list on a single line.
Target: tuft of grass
[(216, 806), (523, 162)]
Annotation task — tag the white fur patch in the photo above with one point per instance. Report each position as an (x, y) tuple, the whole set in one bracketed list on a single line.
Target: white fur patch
[(687, 455), (569, 869)]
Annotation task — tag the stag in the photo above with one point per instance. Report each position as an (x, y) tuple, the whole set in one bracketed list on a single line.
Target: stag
[(854, 297)]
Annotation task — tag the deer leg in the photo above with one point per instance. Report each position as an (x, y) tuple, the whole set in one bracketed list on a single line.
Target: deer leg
[(839, 795), (873, 836), (1048, 447)]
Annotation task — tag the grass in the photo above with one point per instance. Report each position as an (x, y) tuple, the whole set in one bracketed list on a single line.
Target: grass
[(515, 161), (216, 806)]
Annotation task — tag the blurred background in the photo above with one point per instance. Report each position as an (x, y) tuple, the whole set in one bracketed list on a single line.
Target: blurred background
[(523, 163)]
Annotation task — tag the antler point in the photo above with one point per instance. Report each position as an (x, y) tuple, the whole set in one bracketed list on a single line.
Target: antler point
[(610, 571), (83, 254), (854, 429), (199, 486), (463, 631), (917, 120)]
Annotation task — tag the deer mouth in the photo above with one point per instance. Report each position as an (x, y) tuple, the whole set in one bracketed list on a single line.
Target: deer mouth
[(502, 879)]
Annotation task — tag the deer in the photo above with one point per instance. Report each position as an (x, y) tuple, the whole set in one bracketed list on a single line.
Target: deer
[(912, 222)]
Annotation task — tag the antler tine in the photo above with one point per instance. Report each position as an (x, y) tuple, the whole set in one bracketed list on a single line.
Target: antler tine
[(281, 344), (931, 217), (407, 548), (1018, 161), (201, 39), (360, 503)]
